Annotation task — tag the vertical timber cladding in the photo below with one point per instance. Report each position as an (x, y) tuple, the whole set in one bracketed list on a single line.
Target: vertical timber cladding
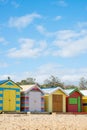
[(57, 103)]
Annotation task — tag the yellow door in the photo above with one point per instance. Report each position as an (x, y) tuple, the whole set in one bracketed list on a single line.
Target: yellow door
[(9, 100)]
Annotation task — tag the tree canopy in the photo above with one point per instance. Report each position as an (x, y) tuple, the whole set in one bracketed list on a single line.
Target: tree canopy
[(52, 82), (27, 81), (83, 83)]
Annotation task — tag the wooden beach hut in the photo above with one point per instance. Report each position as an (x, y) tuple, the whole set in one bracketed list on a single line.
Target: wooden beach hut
[(55, 99), (32, 98), (74, 100), (84, 100), (9, 96)]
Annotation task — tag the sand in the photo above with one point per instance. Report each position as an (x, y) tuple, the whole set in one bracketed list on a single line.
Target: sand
[(43, 122)]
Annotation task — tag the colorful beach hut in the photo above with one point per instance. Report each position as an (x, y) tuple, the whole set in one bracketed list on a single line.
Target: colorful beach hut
[(84, 100), (9, 96), (32, 98), (55, 99), (74, 100)]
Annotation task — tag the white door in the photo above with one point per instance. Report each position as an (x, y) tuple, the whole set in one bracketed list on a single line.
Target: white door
[(35, 101)]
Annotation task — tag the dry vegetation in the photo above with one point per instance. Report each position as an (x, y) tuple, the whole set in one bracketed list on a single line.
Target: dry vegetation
[(43, 122)]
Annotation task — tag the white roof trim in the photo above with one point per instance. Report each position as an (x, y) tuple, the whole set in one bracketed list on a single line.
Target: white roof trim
[(55, 89), (84, 92), (29, 87)]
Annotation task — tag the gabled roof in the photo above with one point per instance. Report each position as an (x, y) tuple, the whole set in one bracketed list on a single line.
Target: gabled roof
[(84, 92), (70, 91), (52, 90), (27, 88), (3, 81)]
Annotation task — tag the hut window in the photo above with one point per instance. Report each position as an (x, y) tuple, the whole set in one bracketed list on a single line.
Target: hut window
[(72, 100)]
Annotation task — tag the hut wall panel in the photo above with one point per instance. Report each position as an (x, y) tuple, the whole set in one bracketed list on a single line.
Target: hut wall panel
[(50, 103), (46, 102), (84, 103), (1, 99), (42, 103), (24, 102)]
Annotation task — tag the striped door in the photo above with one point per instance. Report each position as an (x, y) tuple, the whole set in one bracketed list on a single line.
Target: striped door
[(9, 100), (57, 103)]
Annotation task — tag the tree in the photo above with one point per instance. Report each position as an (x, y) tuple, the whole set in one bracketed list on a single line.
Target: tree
[(52, 82), (83, 83), (27, 81), (30, 80), (70, 87)]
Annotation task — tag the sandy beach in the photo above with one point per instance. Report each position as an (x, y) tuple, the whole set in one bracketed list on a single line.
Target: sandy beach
[(43, 122)]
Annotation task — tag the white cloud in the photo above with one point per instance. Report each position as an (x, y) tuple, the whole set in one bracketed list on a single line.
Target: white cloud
[(65, 75), (70, 43), (44, 31), (58, 18), (23, 21), (5, 76), (65, 43), (41, 29), (43, 72), (28, 49)]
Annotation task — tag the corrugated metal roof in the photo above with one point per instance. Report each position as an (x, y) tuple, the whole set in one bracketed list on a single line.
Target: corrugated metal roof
[(68, 91), (84, 92), (26, 88), (51, 90), (3, 81)]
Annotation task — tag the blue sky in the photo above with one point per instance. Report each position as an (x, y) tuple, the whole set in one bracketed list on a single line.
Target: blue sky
[(42, 38)]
